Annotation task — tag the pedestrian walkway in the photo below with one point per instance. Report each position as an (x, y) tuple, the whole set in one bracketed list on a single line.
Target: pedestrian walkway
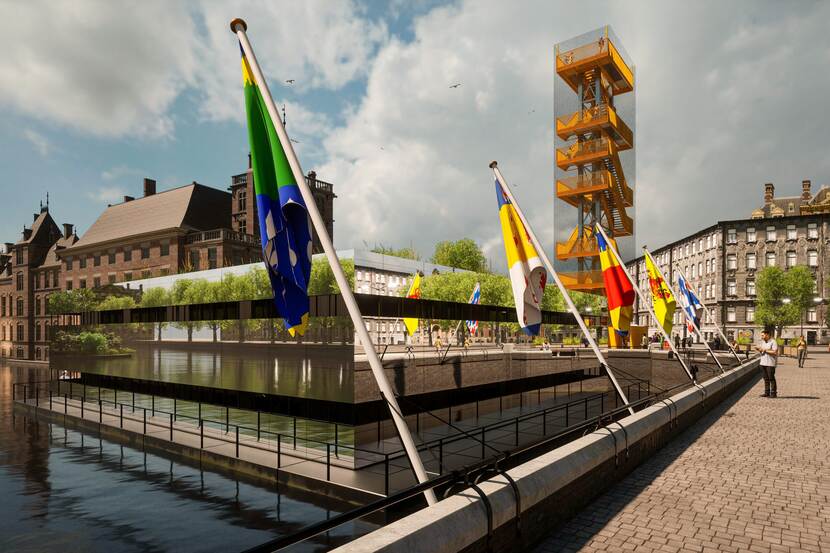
[(752, 475)]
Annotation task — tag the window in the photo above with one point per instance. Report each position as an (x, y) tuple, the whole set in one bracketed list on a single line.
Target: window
[(790, 207), (19, 281), (750, 314), (146, 274), (164, 271), (750, 234), (243, 226), (812, 258), (165, 248), (731, 262), (69, 284), (731, 288), (82, 283), (128, 276), (700, 268), (82, 262), (194, 259), (242, 201), (37, 305), (750, 261), (96, 282), (792, 233), (68, 263), (145, 252), (20, 337), (811, 315), (111, 258), (128, 254), (731, 236), (212, 258), (771, 234), (19, 307), (111, 278), (812, 230), (694, 271), (750, 287), (791, 259), (3, 306), (700, 245), (18, 256), (770, 259), (730, 315), (96, 260), (37, 332)]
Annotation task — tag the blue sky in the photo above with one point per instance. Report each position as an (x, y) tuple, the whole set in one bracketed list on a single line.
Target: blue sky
[(95, 96)]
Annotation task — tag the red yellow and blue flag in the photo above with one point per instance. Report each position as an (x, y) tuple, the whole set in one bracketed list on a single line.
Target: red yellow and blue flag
[(619, 292), (527, 273), (284, 225), (475, 299)]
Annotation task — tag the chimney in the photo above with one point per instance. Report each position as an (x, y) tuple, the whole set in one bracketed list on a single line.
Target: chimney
[(128, 199), (769, 193), (312, 176), (67, 230), (8, 246), (149, 187), (806, 195), (249, 160)]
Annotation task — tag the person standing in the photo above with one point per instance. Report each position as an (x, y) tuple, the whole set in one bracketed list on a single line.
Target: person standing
[(769, 359), (802, 351)]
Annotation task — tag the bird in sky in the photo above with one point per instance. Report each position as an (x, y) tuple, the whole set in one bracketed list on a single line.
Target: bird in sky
[(456, 85), (289, 81), (294, 141)]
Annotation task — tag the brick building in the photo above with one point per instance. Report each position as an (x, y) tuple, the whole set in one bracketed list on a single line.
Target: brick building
[(721, 263), (189, 228)]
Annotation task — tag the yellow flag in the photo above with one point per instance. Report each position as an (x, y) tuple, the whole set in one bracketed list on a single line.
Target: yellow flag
[(661, 295), (414, 292)]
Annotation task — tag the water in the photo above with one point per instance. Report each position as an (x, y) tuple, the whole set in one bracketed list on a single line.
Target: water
[(67, 491), (325, 373)]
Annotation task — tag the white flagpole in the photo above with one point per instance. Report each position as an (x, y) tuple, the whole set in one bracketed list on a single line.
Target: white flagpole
[(706, 309), (571, 307), (685, 314), (238, 27), (644, 302)]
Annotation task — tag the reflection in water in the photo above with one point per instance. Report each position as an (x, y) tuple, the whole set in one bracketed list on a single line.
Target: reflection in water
[(322, 372), (64, 490)]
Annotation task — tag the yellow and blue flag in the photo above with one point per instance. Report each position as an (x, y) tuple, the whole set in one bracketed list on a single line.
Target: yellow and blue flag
[(411, 323), (527, 273), (284, 225)]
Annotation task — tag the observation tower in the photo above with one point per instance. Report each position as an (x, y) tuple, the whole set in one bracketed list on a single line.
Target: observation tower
[(594, 153)]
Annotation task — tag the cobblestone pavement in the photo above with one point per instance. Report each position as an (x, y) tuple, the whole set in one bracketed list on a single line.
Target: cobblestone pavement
[(753, 475)]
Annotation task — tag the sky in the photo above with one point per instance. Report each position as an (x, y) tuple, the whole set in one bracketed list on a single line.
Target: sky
[(94, 96)]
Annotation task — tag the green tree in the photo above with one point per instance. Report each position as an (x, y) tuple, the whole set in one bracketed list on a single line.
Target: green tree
[(770, 309), (799, 283), (463, 254), (72, 301), (115, 302), (322, 277), (406, 253), (156, 297)]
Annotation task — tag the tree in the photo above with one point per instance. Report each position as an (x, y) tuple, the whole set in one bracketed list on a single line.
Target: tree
[(322, 277), (406, 253), (770, 308), (155, 297), (116, 302), (462, 254), (799, 284), (72, 301)]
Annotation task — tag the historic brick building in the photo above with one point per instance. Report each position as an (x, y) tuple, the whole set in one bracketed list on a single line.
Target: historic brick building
[(189, 228), (721, 262)]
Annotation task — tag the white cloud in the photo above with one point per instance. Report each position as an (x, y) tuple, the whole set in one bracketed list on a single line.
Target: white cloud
[(40, 142), (106, 194), (120, 172), (101, 67)]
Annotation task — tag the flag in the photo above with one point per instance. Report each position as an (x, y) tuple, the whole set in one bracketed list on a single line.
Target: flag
[(689, 301), (284, 225), (415, 293), (661, 295), (527, 274), (619, 292), (475, 299)]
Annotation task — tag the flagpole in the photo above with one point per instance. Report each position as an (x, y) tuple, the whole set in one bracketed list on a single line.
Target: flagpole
[(685, 313), (616, 255), (571, 307), (738, 359), (238, 27)]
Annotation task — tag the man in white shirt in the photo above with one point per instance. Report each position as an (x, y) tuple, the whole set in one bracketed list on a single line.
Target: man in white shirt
[(769, 359)]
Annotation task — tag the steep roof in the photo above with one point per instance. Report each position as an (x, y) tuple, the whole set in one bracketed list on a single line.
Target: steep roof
[(51, 259), (190, 207)]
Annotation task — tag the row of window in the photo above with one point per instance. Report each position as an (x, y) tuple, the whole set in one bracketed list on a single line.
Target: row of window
[(112, 278), (46, 279), (772, 233), (771, 259), (127, 252), (7, 305)]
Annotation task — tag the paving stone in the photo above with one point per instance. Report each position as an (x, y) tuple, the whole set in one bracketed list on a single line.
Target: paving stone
[(753, 475)]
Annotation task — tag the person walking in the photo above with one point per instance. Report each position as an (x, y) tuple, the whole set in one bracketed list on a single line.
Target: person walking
[(768, 349), (801, 348)]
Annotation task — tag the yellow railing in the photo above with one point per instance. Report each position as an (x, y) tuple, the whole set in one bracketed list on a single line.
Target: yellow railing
[(598, 146), (591, 180), (628, 75), (600, 47), (596, 115)]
